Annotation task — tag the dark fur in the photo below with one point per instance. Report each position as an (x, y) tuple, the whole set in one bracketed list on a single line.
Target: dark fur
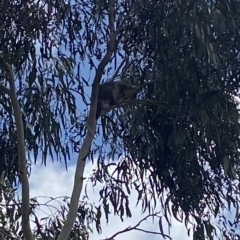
[(113, 93)]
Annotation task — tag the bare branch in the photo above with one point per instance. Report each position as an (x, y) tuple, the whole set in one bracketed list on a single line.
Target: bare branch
[(152, 232), (143, 102), (25, 209), (128, 229)]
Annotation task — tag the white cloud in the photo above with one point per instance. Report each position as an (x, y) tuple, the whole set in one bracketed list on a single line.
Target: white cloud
[(55, 181)]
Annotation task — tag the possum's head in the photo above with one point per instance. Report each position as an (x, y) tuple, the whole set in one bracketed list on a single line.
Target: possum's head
[(131, 91)]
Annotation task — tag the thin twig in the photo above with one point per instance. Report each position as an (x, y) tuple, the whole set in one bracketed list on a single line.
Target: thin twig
[(118, 69), (152, 232)]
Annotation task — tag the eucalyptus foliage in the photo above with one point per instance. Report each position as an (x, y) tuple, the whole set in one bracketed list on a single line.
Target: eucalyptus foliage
[(37, 39), (179, 141)]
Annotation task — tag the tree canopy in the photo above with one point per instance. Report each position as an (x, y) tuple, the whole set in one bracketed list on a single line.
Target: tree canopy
[(177, 144)]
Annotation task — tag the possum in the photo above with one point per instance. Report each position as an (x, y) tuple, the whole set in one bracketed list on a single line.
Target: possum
[(113, 93)]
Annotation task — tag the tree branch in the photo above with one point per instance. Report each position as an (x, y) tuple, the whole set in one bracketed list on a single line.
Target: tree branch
[(143, 102), (137, 102), (91, 123), (25, 209), (128, 229), (5, 89), (152, 232)]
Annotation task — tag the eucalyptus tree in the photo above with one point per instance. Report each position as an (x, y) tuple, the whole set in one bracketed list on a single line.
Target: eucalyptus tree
[(44, 45), (178, 141)]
